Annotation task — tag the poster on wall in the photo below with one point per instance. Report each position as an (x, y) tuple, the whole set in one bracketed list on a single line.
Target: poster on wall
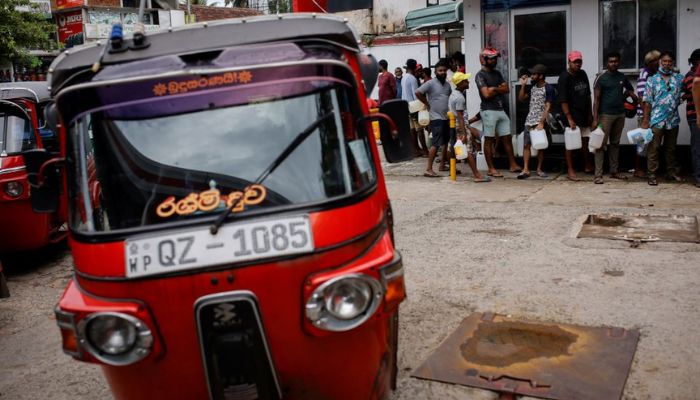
[(70, 28), (63, 4)]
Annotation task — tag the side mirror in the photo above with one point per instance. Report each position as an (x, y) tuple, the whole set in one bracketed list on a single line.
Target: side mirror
[(51, 116), (44, 179), (397, 146), (370, 72)]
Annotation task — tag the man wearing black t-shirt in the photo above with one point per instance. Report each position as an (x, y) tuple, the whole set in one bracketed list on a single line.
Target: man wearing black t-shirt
[(575, 100)]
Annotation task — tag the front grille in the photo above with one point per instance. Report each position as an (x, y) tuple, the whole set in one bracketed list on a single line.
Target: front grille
[(234, 351)]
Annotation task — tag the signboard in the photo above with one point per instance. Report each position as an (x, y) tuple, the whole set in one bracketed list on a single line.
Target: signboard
[(70, 28), (62, 4), (102, 31)]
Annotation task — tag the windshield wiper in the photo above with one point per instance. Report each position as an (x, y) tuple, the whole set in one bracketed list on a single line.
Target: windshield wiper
[(214, 229)]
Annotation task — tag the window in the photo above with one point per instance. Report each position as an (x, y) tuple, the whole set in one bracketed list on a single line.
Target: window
[(635, 27), (540, 39)]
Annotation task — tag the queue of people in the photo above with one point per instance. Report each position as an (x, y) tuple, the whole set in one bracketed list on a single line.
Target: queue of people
[(604, 106)]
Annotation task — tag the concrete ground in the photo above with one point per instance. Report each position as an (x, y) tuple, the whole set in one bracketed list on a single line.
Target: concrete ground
[(507, 246)]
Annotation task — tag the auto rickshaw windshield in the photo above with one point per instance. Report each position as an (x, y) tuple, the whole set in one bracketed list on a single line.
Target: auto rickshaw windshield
[(181, 158)]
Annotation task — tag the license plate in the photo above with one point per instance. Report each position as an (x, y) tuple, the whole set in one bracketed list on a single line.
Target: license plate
[(233, 243)]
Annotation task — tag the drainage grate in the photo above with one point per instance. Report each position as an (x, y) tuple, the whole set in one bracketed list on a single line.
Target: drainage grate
[(550, 361), (668, 228)]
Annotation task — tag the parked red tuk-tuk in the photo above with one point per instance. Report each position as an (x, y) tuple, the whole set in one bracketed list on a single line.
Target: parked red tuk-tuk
[(229, 222), (22, 128)]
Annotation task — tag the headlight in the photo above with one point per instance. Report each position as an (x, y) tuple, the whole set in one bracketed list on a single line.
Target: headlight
[(14, 189), (343, 303), (115, 338), (111, 334)]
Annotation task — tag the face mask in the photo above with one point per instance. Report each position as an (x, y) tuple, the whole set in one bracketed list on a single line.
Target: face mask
[(665, 71)]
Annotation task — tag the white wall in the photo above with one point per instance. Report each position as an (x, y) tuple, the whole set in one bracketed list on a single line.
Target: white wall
[(397, 54)]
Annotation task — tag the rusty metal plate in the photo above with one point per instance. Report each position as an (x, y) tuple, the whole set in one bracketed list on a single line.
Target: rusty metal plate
[(550, 361), (668, 228)]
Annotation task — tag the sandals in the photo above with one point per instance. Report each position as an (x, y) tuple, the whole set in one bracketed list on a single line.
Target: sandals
[(618, 176), (429, 175), (598, 180), (495, 174), (482, 180), (542, 175), (652, 181), (523, 175), (675, 178), (573, 178)]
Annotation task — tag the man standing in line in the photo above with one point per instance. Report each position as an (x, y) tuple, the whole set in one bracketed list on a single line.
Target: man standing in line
[(661, 100), (651, 65), (541, 99), (465, 133), (435, 95), (696, 100), (409, 85), (387, 83), (492, 90), (575, 100), (398, 73), (691, 113), (611, 89)]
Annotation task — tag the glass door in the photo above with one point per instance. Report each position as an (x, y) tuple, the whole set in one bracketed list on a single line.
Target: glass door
[(537, 36)]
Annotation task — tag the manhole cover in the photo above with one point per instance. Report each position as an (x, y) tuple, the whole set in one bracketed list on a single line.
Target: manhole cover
[(550, 361), (668, 228)]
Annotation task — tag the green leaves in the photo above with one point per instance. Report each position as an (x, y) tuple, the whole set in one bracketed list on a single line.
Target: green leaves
[(22, 30)]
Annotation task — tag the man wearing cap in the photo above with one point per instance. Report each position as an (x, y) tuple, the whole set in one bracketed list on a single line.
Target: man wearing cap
[(435, 95), (465, 133), (409, 85), (541, 98), (691, 113), (575, 100), (611, 89), (492, 90), (387, 83)]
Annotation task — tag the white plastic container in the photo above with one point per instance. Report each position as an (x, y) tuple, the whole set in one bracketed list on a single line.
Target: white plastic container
[(572, 138), (538, 139), (595, 142), (481, 162), (460, 150), (415, 106), (533, 152), (423, 117), (635, 136), (519, 144)]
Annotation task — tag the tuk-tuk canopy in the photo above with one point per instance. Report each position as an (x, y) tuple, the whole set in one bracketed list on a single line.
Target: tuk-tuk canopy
[(37, 91), (443, 16), (73, 65)]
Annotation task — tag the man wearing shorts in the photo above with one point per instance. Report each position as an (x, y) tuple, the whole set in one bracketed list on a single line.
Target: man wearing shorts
[(435, 94), (492, 90), (409, 85), (575, 100), (465, 133)]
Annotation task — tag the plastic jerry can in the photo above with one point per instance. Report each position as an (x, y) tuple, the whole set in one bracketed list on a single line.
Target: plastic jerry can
[(423, 117), (538, 139), (460, 150), (519, 144), (481, 162), (415, 106), (572, 138), (596, 140)]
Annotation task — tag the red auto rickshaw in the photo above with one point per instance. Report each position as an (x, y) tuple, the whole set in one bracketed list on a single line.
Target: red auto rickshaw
[(229, 222), (22, 128)]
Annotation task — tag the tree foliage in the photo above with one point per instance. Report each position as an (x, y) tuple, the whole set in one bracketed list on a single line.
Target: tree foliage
[(279, 6), (21, 31)]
